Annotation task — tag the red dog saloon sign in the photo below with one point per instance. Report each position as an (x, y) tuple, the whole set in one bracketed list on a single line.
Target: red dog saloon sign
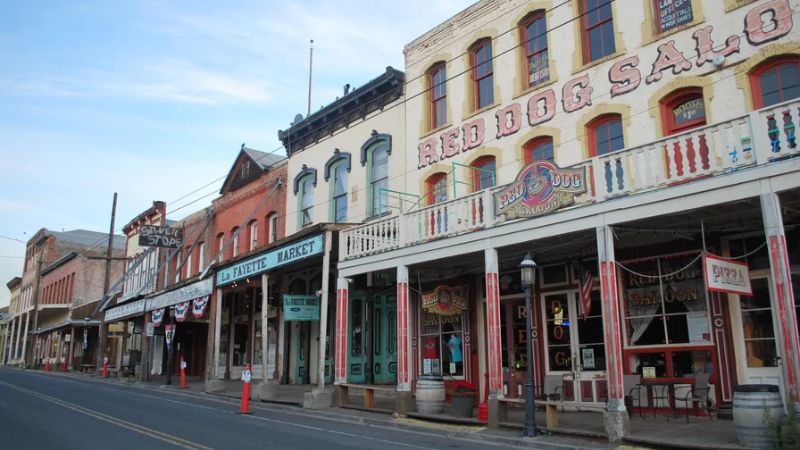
[(540, 188)]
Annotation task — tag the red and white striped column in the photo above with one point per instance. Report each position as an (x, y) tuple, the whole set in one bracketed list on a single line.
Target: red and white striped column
[(494, 357), (782, 292), (611, 317), (342, 301), (404, 354)]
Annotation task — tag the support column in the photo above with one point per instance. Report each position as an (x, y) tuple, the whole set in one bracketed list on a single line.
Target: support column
[(494, 357), (404, 354), (783, 295), (323, 311), (25, 338), (71, 351), (342, 303), (17, 340), (60, 351), (264, 326), (123, 347), (144, 371), (12, 347), (616, 417), (212, 371)]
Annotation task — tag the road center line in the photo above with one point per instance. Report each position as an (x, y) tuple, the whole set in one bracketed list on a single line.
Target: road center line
[(111, 419)]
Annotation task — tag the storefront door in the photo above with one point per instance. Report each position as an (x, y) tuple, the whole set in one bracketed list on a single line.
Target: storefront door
[(384, 339), (574, 346), (760, 354), (357, 358)]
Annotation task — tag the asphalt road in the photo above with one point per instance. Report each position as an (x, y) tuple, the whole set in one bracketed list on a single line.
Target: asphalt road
[(46, 411)]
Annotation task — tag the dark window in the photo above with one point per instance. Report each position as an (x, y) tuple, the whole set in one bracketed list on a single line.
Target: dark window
[(482, 74), (484, 173), (437, 78), (605, 135), (437, 188), (597, 31), (683, 110), (307, 201), (776, 81), (539, 149), (534, 38)]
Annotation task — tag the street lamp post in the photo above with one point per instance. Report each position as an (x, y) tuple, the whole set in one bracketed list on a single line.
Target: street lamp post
[(527, 278)]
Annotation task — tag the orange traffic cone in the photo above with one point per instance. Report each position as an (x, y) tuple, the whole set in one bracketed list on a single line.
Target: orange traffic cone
[(183, 375), (245, 405)]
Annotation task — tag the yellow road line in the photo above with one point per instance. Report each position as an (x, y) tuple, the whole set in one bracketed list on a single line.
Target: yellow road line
[(112, 420)]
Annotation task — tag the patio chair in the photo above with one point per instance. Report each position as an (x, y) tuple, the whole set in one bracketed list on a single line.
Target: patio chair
[(634, 391), (697, 393)]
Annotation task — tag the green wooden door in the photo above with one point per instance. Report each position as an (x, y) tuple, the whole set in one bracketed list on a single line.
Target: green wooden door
[(356, 339), (384, 339)]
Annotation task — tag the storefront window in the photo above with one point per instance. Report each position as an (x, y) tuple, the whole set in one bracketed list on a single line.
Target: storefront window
[(757, 326), (665, 302), (559, 349), (442, 344), (590, 336)]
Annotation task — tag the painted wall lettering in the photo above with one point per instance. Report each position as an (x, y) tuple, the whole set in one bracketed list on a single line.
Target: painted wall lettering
[(705, 45), (573, 99), (508, 120), (668, 57), (427, 153), (473, 134), (541, 107), (450, 145), (768, 21), (624, 76)]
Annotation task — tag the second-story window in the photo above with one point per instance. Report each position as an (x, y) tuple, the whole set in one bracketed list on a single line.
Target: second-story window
[(253, 235), (188, 264), (776, 80), (307, 201), (539, 149), (683, 110), (437, 84), (597, 29), (534, 41), (379, 179), (669, 15), (178, 259), (272, 223), (605, 135), (235, 242), (201, 257), (339, 193), (220, 246), (437, 188), (482, 74), (483, 173)]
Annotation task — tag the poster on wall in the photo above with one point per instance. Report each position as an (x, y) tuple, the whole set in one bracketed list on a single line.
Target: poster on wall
[(726, 275), (697, 323), (587, 358)]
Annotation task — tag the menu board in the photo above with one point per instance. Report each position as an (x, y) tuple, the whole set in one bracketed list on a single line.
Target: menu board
[(673, 13)]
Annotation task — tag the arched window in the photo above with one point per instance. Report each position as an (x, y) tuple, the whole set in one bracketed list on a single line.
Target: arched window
[(436, 188), (379, 179), (178, 259), (201, 256), (533, 36), (539, 149), (597, 29), (339, 192), (253, 229), (187, 265), (605, 135), (775, 80), (272, 227), (483, 173), (683, 110), (437, 94), (482, 74), (235, 242), (306, 201), (220, 245)]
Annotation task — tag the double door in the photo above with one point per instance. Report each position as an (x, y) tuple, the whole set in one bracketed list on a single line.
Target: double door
[(372, 338), (574, 346)]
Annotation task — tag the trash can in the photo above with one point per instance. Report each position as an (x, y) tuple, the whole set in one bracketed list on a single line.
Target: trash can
[(752, 403)]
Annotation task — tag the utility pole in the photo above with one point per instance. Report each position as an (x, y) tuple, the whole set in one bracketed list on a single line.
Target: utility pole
[(103, 330)]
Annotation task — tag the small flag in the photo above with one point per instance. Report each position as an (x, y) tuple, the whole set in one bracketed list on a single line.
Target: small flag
[(586, 282)]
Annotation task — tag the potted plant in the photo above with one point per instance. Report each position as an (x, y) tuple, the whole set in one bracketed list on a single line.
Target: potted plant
[(462, 394)]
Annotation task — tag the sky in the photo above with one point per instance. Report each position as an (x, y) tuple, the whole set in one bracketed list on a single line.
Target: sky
[(154, 99)]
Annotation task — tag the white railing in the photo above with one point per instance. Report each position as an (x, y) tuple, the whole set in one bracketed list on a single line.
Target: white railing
[(757, 138)]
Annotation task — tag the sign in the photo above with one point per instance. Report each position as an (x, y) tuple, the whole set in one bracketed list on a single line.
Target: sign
[(180, 295), (540, 188), (247, 376), (183, 364), (587, 356), (300, 307), (725, 275), (269, 260), (673, 13), (150, 329), (155, 236), (444, 301), (128, 309), (648, 372), (169, 331), (688, 111)]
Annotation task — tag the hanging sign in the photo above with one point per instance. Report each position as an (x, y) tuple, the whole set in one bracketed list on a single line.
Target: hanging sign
[(725, 275), (199, 306), (155, 236), (180, 311), (300, 307), (445, 301), (540, 188), (158, 316)]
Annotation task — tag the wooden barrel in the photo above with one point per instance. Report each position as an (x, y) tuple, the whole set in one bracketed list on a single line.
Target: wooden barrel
[(430, 395), (751, 402)]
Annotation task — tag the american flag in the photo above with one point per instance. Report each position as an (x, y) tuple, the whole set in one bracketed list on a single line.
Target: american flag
[(585, 283)]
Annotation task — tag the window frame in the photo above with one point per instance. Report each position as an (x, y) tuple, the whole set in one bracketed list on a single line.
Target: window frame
[(474, 53), (234, 242), (656, 18), (433, 99), (525, 40), (430, 184), (253, 235), (591, 130), (220, 245), (759, 70), (586, 30), (201, 258), (306, 188), (272, 227), (533, 144), (340, 165), (675, 99), (477, 169), (373, 183)]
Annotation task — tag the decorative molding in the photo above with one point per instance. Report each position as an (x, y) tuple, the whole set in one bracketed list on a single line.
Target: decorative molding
[(303, 173), (375, 139), (337, 156)]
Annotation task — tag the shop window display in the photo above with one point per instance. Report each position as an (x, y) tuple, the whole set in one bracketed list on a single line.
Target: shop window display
[(442, 344)]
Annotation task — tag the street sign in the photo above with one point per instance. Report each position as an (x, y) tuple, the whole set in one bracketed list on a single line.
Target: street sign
[(150, 330), (155, 236), (246, 376)]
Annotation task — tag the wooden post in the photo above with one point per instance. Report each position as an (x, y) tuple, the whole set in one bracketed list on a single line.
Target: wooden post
[(71, 354), (323, 310), (264, 326), (215, 310)]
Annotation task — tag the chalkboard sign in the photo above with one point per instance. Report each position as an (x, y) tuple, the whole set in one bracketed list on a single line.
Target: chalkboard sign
[(673, 13), (689, 111), (155, 236)]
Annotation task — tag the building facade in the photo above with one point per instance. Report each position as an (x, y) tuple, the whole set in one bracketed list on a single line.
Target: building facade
[(622, 158)]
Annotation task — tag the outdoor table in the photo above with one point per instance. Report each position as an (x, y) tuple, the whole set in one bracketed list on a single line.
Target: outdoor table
[(656, 388)]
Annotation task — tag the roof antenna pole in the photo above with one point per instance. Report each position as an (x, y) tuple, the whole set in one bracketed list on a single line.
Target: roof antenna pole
[(310, 65)]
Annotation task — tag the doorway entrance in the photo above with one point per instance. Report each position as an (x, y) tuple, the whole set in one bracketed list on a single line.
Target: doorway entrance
[(574, 346), (372, 338)]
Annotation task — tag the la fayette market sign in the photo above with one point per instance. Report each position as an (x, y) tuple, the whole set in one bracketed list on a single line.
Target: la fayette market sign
[(270, 260)]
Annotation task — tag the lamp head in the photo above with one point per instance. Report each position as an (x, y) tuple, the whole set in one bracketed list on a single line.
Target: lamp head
[(527, 270)]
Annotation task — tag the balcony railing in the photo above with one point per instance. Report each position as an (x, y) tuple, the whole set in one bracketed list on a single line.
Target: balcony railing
[(757, 138)]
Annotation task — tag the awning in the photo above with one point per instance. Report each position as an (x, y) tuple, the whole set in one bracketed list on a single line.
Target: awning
[(69, 323), (191, 291)]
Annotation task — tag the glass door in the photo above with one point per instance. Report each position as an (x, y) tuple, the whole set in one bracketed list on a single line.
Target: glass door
[(356, 335)]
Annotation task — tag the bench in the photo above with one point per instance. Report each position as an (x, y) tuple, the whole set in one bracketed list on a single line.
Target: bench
[(369, 393), (87, 368), (550, 409)]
